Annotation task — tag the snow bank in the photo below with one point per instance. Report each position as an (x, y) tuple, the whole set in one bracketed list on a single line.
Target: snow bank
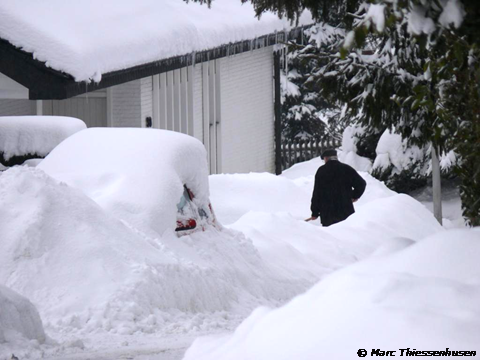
[(88, 271), (86, 40), (391, 301), (22, 135), (135, 174)]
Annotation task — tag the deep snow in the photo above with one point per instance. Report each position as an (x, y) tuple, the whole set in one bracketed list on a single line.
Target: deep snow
[(422, 296), (105, 290)]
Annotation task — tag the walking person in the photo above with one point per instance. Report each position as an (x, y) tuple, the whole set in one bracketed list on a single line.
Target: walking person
[(337, 187)]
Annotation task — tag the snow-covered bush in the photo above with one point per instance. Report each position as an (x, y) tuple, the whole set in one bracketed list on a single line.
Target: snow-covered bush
[(352, 150), (32, 137), (403, 168)]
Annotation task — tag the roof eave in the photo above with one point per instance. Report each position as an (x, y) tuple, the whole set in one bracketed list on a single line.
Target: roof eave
[(45, 83)]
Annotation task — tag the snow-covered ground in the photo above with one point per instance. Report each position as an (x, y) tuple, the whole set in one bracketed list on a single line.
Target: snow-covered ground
[(106, 291)]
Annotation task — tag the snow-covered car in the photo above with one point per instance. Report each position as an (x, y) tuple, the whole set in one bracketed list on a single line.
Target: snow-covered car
[(27, 139), (154, 180)]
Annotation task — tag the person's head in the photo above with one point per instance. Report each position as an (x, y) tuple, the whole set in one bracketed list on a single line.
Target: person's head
[(330, 154)]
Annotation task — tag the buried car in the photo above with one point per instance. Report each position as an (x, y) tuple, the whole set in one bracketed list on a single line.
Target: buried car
[(153, 180)]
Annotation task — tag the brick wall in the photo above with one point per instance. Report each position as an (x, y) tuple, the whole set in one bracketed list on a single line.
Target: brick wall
[(17, 107), (248, 112)]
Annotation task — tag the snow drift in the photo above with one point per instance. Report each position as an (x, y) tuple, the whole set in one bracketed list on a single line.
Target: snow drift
[(23, 135), (424, 296), (86, 270), (270, 210)]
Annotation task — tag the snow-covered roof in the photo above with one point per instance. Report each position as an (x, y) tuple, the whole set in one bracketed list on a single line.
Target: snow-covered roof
[(88, 38)]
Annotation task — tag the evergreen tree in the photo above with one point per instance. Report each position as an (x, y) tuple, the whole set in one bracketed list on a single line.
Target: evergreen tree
[(305, 112)]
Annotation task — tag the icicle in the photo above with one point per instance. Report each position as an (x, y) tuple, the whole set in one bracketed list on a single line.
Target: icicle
[(194, 58)]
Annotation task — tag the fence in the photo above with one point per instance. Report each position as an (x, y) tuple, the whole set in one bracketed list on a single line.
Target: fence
[(303, 150)]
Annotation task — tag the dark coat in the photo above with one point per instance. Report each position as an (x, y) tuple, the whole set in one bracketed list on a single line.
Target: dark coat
[(336, 184)]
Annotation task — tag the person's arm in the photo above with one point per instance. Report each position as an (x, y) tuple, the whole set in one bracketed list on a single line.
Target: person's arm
[(315, 206), (358, 185)]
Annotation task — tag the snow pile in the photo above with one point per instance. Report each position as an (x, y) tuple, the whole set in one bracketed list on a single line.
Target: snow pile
[(86, 40), (135, 174), (23, 135), (349, 155), (87, 271), (391, 301)]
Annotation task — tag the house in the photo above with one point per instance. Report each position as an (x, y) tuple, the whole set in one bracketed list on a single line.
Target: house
[(165, 64)]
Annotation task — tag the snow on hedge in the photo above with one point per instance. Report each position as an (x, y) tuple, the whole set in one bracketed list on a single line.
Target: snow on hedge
[(22, 135), (19, 322), (393, 151), (86, 39), (135, 174), (422, 296)]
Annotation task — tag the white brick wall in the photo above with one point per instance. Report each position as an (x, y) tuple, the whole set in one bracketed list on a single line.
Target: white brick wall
[(17, 107), (146, 99), (126, 104), (248, 112)]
